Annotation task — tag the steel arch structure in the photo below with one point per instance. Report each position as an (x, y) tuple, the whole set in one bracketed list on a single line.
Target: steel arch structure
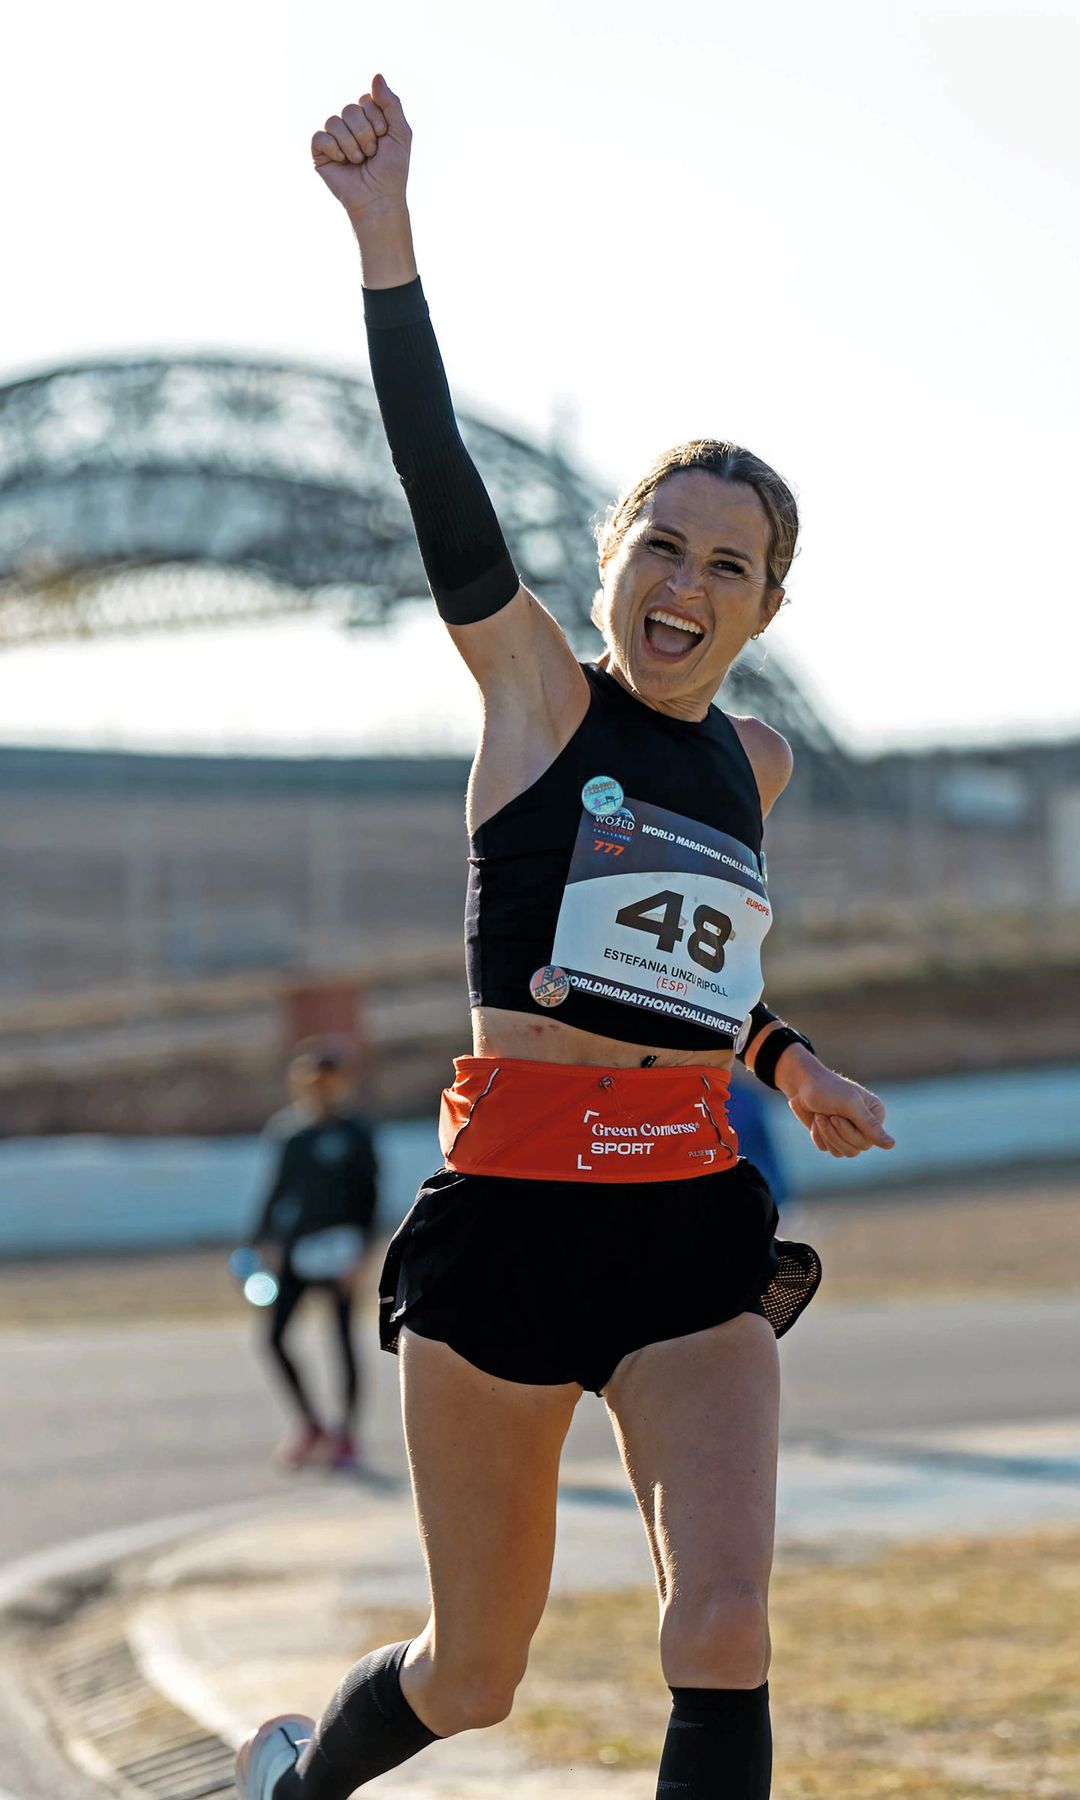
[(163, 492), (275, 472)]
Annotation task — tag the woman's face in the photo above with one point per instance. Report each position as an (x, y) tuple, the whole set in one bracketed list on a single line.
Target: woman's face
[(697, 554)]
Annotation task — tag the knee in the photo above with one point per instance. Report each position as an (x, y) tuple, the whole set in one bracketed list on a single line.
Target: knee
[(718, 1639), (485, 1701), (469, 1694)]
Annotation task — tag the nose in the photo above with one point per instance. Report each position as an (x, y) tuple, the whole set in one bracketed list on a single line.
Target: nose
[(685, 580)]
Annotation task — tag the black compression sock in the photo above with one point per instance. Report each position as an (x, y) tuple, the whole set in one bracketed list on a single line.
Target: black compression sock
[(368, 1727), (718, 1745)]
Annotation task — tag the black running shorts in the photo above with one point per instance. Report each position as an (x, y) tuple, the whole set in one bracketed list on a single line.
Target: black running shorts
[(547, 1282)]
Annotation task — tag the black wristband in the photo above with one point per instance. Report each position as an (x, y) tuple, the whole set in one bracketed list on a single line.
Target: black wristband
[(468, 566), (758, 1017), (773, 1049)]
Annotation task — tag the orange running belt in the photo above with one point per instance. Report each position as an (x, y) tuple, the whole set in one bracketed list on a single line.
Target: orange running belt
[(557, 1122)]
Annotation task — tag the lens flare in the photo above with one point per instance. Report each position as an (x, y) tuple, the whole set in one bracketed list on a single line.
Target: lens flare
[(243, 1263), (261, 1289)]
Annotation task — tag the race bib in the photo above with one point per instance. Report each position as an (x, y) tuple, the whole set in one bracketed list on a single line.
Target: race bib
[(663, 913)]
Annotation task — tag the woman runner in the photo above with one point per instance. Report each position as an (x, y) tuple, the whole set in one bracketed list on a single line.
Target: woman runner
[(593, 1226)]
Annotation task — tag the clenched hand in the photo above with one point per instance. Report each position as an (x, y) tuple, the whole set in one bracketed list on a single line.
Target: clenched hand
[(842, 1118), (362, 153)]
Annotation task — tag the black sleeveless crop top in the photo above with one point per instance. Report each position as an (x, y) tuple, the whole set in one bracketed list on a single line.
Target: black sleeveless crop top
[(623, 892)]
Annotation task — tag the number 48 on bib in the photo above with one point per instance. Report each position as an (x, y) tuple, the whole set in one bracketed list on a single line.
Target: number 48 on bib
[(674, 924)]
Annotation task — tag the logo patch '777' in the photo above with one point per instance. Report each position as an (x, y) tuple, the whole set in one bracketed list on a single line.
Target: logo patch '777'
[(666, 914)]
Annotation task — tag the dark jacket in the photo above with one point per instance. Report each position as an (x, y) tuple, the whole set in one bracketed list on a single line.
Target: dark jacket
[(325, 1174)]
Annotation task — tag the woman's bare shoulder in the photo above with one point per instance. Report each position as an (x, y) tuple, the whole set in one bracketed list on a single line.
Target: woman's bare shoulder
[(769, 755)]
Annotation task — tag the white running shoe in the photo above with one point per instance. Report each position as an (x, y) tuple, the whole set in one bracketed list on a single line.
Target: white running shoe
[(269, 1753)]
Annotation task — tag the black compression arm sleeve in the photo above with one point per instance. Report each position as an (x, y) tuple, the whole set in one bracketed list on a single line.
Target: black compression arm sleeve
[(465, 556)]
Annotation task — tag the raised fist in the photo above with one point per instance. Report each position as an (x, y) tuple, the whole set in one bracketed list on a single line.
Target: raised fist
[(363, 153)]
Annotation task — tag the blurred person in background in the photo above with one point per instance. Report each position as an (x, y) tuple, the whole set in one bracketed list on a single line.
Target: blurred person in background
[(314, 1231)]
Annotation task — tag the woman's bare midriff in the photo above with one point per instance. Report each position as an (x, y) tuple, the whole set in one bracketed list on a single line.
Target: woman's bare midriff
[(498, 1032)]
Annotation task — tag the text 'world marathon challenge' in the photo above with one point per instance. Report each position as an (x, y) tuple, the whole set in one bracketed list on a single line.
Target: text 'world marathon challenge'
[(670, 837), (678, 1009)]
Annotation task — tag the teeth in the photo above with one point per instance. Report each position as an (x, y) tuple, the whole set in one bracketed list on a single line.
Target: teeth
[(666, 618)]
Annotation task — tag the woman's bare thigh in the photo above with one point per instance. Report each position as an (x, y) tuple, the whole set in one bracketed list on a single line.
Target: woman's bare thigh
[(697, 1419), (484, 1459)]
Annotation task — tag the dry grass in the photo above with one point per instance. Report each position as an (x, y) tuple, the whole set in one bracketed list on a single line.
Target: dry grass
[(944, 1671), (165, 1287), (989, 1235), (98, 1290)]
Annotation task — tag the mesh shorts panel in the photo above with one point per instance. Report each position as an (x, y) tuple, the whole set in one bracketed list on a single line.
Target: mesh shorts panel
[(792, 1286)]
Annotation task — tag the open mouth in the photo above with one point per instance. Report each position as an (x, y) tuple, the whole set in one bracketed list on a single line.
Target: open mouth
[(670, 637)]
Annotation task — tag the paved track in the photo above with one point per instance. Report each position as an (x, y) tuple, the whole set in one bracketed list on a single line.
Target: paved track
[(875, 1369), (102, 1428)]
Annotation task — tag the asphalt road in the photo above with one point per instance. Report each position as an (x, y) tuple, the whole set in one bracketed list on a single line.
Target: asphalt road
[(107, 1427)]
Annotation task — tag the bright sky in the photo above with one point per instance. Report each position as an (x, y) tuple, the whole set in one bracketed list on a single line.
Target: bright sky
[(845, 234)]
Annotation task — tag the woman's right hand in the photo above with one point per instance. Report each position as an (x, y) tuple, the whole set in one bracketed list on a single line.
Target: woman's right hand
[(363, 152)]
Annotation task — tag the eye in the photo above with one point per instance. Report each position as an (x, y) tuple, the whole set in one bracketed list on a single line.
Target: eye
[(734, 568), (659, 543)]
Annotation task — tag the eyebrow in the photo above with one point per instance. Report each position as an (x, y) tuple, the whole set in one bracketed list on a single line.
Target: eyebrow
[(719, 550)]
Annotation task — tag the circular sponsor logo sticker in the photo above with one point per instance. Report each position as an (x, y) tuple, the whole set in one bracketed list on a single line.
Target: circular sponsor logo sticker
[(549, 986), (602, 795), (743, 1035)]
